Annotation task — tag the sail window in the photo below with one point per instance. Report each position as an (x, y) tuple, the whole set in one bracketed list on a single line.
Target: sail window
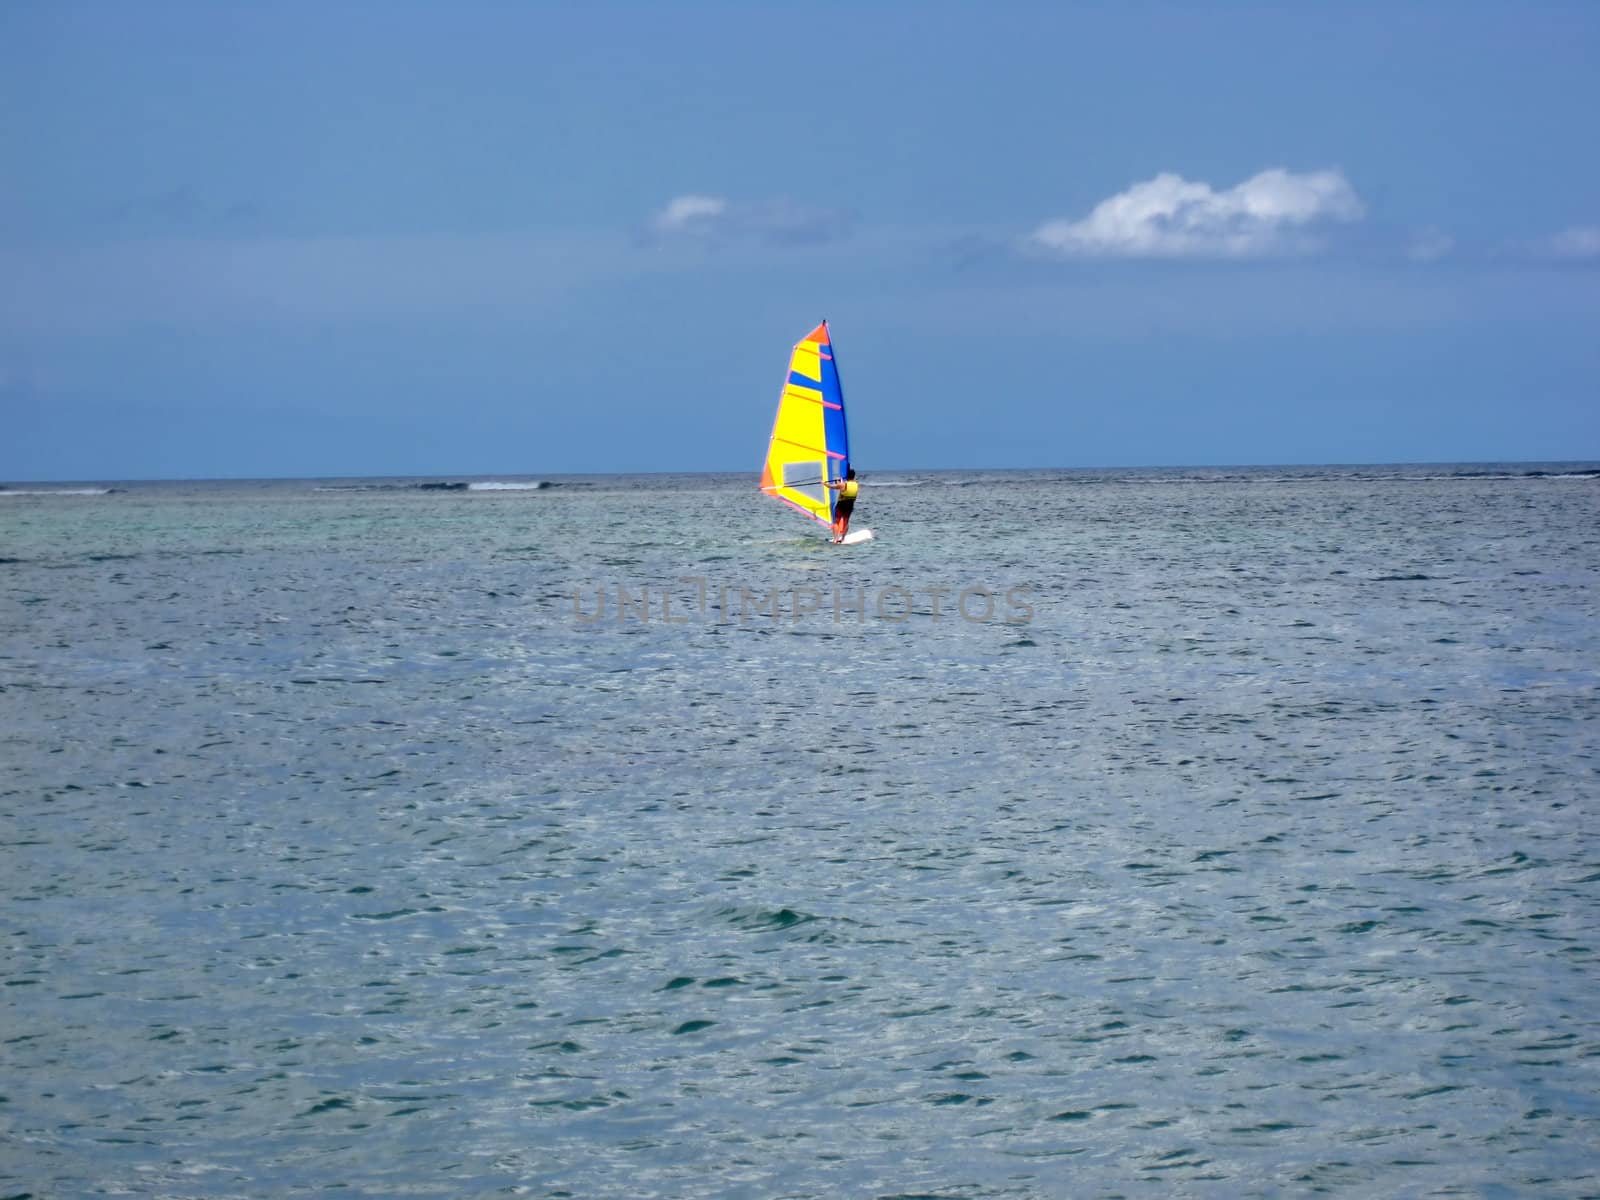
[(806, 478)]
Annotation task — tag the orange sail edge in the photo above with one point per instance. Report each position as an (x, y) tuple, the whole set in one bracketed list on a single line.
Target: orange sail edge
[(800, 508)]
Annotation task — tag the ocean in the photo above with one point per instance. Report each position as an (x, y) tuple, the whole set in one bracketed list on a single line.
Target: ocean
[(1220, 833)]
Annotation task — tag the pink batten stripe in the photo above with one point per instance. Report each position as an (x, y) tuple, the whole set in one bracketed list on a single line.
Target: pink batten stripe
[(814, 399), (809, 449), (807, 511)]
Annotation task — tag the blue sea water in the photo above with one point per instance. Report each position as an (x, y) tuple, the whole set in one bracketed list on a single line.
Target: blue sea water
[(1087, 833)]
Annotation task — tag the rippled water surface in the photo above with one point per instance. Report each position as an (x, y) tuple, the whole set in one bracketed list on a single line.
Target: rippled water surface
[(1085, 834)]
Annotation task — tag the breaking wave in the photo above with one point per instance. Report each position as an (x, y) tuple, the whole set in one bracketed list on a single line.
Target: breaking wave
[(63, 491), (442, 485)]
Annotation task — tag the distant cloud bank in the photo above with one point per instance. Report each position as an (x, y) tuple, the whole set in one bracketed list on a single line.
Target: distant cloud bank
[(1430, 245), (780, 222), (690, 215), (1276, 213), (1272, 213), (1579, 242)]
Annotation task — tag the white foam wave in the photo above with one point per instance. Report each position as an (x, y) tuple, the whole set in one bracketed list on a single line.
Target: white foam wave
[(4, 491), (499, 485)]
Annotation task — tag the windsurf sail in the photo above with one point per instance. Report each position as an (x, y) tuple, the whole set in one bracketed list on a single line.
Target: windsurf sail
[(810, 444)]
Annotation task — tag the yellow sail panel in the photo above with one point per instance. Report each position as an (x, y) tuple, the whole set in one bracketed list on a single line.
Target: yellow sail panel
[(804, 361), (808, 446)]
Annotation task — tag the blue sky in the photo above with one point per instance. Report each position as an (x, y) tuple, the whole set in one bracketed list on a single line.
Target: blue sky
[(494, 238)]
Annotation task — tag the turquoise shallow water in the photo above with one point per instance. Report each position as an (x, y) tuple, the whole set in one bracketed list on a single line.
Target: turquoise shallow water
[(1216, 833)]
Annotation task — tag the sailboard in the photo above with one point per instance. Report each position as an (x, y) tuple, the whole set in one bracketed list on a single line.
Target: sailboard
[(810, 442)]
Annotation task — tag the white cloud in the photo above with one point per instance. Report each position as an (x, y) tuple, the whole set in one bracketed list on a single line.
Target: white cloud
[(690, 214), (1170, 217), (1579, 242), (715, 219)]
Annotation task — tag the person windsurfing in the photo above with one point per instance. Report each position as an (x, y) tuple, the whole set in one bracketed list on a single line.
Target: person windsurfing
[(848, 489)]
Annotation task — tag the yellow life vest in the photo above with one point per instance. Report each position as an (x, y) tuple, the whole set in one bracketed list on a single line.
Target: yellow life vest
[(848, 492)]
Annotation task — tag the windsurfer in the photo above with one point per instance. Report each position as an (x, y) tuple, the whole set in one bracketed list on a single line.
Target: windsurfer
[(848, 489)]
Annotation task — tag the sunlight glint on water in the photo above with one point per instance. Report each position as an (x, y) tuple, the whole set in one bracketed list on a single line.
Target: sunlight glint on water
[(1244, 845)]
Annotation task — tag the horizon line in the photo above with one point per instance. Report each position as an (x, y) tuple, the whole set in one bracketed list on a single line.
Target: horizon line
[(867, 473)]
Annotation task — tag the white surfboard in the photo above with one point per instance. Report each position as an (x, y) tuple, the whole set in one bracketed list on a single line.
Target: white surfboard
[(858, 536)]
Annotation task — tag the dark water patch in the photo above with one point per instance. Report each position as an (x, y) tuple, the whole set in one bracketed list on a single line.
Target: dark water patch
[(332, 1104), (579, 1105), (765, 919)]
